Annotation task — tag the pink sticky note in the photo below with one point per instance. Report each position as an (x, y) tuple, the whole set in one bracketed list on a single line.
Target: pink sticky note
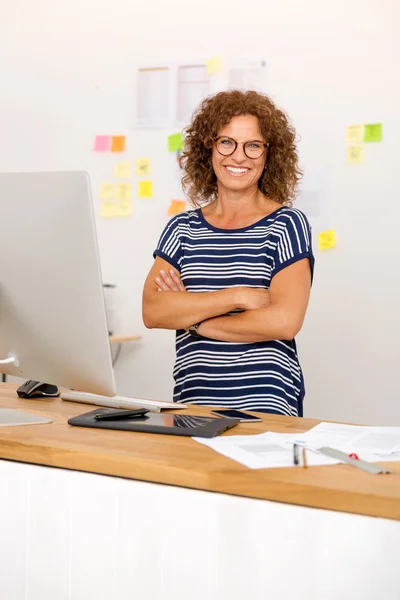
[(102, 143)]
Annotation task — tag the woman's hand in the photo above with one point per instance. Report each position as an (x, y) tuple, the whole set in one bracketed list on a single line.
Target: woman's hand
[(169, 282)]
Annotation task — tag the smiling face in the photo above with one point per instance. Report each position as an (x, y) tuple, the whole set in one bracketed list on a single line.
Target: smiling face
[(238, 172)]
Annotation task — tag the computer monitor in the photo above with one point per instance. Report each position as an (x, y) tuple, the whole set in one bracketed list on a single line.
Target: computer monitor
[(53, 324)]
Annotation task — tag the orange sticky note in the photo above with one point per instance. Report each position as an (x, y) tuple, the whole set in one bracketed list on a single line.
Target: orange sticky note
[(176, 207), (118, 143)]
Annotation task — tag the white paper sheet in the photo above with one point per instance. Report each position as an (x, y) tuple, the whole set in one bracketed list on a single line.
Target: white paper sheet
[(153, 97), (273, 450), (261, 451), (353, 438), (193, 87)]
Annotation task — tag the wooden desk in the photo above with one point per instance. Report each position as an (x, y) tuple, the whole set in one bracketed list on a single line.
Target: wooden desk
[(78, 533), (183, 462)]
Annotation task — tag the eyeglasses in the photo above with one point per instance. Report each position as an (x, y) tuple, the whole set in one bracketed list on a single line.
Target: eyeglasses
[(252, 149)]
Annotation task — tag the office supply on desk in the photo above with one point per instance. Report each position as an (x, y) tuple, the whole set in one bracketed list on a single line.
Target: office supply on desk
[(121, 401), (121, 414), (354, 462), (159, 423), (11, 417)]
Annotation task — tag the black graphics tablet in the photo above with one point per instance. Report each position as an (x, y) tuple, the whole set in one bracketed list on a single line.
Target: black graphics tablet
[(192, 426)]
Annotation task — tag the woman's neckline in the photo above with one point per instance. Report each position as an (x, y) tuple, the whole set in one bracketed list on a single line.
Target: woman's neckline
[(204, 220)]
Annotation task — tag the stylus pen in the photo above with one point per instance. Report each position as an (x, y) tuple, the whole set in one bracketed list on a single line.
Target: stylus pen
[(120, 415)]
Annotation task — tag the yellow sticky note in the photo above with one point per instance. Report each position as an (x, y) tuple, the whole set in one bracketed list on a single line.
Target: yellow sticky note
[(176, 207), (124, 191), (327, 239), (124, 208), (122, 170), (143, 166), (213, 65), (108, 209), (106, 191), (355, 155), (355, 133), (145, 189)]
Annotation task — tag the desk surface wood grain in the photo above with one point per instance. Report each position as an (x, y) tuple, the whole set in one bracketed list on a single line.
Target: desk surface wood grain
[(183, 462)]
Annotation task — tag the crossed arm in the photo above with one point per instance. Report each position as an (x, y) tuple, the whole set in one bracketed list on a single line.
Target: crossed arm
[(276, 314)]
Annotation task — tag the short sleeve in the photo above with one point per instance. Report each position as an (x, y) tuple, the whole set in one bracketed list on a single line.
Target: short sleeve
[(294, 242), (169, 246)]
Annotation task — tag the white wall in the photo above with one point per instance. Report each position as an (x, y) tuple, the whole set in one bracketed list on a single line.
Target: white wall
[(68, 72)]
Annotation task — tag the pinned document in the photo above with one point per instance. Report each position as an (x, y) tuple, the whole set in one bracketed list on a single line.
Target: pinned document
[(118, 143), (106, 191), (327, 239), (124, 191), (143, 166), (373, 132), (175, 142), (145, 189), (122, 170), (355, 155), (213, 65), (102, 143)]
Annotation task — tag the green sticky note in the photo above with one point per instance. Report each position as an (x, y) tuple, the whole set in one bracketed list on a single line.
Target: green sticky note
[(175, 142), (373, 132)]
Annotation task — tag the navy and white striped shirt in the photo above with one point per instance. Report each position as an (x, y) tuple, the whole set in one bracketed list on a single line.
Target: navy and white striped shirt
[(260, 376)]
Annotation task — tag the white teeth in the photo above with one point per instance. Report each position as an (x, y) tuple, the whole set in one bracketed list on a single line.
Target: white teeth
[(236, 170)]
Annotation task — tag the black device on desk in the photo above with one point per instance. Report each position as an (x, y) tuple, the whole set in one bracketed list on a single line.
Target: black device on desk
[(37, 389), (188, 425), (236, 414)]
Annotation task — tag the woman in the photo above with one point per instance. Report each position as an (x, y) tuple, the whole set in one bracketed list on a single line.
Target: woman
[(235, 272)]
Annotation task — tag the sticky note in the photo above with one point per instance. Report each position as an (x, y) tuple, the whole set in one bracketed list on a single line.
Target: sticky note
[(106, 191), (145, 189), (143, 166), (108, 209), (118, 143), (124, 208), (102, 143), (175, 142), (176, 207), (124, 191), (355, 155), (122, 170), (213, 65), (373, 132), (355, 133), (327, 239)]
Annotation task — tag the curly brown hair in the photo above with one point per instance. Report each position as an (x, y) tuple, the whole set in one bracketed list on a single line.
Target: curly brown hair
[(282, 173)]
